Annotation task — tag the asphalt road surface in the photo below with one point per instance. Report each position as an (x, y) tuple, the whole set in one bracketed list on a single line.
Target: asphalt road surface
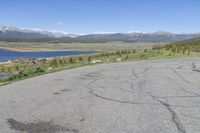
[(134, 97)]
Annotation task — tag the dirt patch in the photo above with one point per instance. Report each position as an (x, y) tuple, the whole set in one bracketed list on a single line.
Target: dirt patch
[(39, 127)]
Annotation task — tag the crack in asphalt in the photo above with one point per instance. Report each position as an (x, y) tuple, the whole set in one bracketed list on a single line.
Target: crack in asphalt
[(92, 82), (180, 76), (145, 70), (180, 67), (91, 91), (123, 90), (114, 100), (136, 74), (194, 68), (174, 116)]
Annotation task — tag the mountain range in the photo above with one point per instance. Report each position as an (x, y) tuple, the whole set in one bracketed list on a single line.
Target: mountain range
[(35, 35)]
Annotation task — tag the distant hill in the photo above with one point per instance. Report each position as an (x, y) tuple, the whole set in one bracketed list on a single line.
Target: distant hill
[(157, 37), (190, 44), (16, 34)]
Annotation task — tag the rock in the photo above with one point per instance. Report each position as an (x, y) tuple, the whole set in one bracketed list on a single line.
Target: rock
[(118, 59), (96, 61)]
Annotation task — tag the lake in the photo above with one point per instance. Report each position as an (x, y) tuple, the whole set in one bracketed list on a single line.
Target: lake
[(6, 55)]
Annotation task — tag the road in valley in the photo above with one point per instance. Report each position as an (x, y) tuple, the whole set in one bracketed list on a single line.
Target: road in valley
[(133, 97)]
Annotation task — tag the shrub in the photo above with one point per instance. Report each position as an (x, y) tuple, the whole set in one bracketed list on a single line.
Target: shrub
[(126, 58), (133, 51), (60, 61), (71, 60), (18, 74), (37, 70), (2, 69), (146, 50), (53, 62), (173, 49), (188, 52), (65, 61), (143, 56), (184, 51), (80, 58), (89, 58), (16, 68)]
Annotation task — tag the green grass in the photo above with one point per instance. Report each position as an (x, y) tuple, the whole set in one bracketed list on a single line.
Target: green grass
[(56, 69), (140, 55)]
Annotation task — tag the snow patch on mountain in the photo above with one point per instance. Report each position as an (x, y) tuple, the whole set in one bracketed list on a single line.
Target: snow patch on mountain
[(55, 34)]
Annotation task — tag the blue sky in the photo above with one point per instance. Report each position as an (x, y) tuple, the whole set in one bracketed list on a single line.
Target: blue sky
[(89, 16)]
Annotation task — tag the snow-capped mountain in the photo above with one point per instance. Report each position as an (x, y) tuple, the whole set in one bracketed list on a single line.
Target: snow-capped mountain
[(56, 34), (17, 34), (6, 29)]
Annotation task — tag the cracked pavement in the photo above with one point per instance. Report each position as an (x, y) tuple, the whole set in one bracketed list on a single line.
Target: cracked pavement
[(132, 97)]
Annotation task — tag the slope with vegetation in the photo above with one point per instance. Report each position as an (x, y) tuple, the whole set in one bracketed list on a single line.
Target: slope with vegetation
[(18, 71), (187, 46)]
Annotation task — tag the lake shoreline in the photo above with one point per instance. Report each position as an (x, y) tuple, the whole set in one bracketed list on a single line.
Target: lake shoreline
[(35, 49)]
